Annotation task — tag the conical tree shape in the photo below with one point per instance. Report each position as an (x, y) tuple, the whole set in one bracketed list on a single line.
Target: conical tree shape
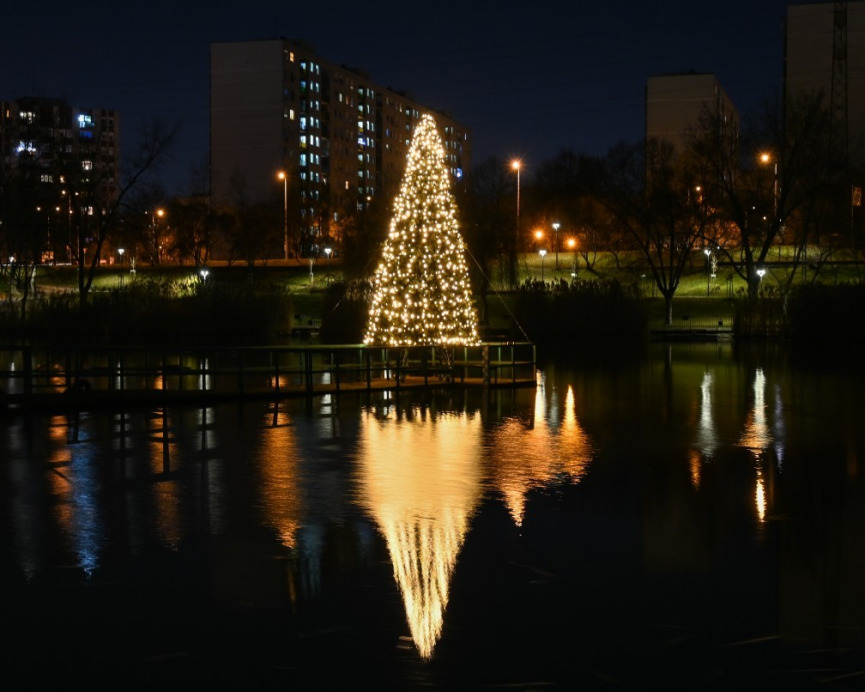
[(421, 289)]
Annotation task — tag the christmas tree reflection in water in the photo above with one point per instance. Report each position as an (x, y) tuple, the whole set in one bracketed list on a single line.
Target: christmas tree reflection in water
[(420, 478), (541, 453)]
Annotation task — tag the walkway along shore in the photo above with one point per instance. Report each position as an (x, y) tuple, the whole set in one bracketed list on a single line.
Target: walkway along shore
[(82, 378)]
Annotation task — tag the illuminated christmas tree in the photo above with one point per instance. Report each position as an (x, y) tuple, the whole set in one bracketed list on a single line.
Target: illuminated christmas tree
[(421, 289)]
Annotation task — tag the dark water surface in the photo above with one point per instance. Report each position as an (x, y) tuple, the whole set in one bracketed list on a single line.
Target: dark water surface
[(694, 520)]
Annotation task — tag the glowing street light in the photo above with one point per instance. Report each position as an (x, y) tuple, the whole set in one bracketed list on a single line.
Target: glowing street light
[(203, 273), (543, 254), (556, 240), (283, 176), (327, 251), (708, 254), (120, 252)]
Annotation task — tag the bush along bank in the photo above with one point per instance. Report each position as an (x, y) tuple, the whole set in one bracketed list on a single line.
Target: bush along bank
[(565, 316), (151, 313), (807, 315)]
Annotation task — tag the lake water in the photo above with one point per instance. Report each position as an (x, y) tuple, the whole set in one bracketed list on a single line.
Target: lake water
[(694, 519)]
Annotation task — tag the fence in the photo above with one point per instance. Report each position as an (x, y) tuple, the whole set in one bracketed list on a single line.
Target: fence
[(33, 376)]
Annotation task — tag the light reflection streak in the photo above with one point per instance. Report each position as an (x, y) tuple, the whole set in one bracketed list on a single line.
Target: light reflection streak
[(707, 437), (695, 464), (757, 438), (280, 491), (760, 496), (165, 489), (74, 484), (526, 457), (420, 477)]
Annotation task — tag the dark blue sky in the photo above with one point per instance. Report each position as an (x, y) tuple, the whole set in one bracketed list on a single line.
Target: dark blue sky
[(529, 78)]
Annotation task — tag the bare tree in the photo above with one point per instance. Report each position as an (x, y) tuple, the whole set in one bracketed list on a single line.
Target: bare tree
[(656, 198), (95, 197), (772, 184)]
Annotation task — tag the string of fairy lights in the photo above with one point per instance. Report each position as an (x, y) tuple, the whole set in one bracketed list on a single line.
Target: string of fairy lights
[(421, 288)]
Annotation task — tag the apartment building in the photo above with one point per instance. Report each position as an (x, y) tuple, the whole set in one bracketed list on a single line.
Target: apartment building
[(49, 133), (57, 148), (674, 104), (341, 139)]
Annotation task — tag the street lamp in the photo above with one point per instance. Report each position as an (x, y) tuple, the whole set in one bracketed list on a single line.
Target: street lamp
[(327, 251), (120, 252), (556, 240), (572, 244), (766, 158), (283, 176), (157, 214), (708, 254), (539, 235), (760, 273), (516, 164), (203, 273), (542, 253)]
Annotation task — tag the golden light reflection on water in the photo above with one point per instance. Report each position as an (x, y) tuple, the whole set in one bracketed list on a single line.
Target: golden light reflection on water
[(756, 436), (280, 484), (530, 456), (419, 475)]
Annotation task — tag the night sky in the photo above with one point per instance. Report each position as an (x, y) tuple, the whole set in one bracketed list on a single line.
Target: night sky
[(529, 78)]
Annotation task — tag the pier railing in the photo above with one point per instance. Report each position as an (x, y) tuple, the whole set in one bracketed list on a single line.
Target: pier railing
[(89, 375)]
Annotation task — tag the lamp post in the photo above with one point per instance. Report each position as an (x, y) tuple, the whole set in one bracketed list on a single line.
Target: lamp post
[(283, 176), (708, 254), (556, 241), (516, 164), (572, 244), (120, 252), (766, 158), (155, 250), (760, 273), (542, 253)]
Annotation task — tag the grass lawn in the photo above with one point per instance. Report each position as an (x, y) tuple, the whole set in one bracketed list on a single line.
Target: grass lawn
[(699, 297)]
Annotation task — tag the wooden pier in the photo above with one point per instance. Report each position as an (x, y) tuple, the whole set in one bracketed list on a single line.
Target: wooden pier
[(92, 377)]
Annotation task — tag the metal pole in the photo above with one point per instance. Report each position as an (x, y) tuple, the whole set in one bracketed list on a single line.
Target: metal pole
[(285, 213)]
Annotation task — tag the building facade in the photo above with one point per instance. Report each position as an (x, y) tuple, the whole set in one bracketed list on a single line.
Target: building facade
[(674, 104), (339, 139), (57, 150)]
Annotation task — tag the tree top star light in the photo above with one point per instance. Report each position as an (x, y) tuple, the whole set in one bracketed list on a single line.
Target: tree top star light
[(421, 289)]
